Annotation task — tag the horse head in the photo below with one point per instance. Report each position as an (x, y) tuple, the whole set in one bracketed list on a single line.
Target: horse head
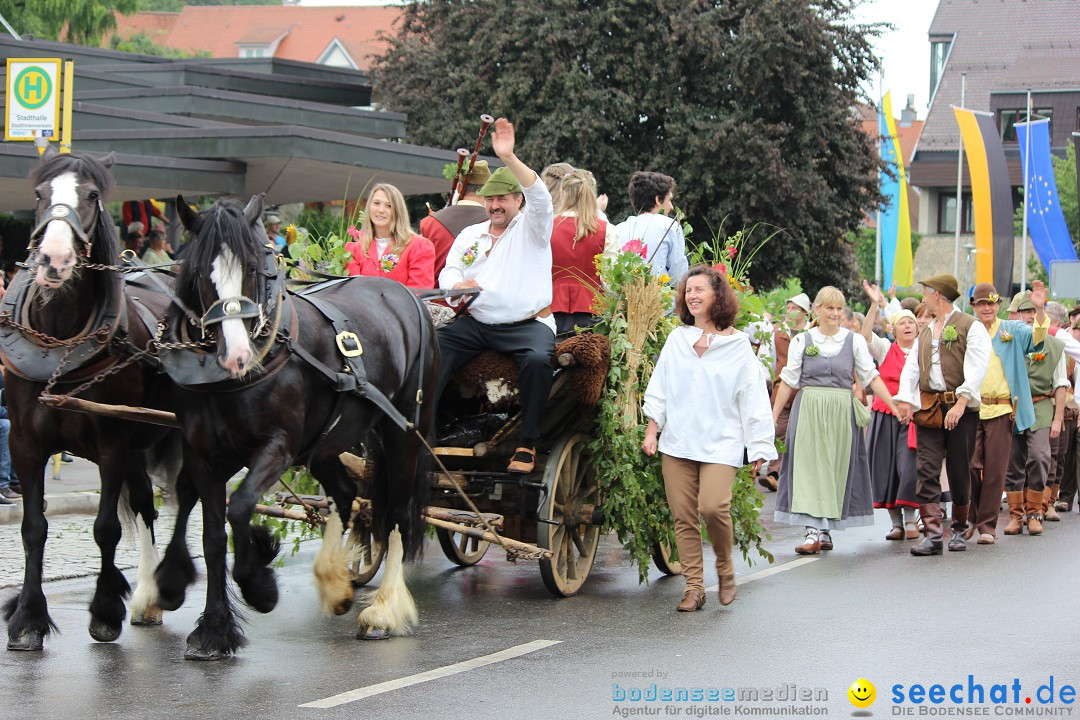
[(222, 273), (71, 225)]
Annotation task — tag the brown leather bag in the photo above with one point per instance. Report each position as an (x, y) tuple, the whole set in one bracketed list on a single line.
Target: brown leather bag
[(932, 413)]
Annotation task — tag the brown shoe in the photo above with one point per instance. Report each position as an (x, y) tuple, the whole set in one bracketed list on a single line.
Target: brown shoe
[(986, 539), (897, 533), (911, 531), (9, 493), (524, 461), (768, 482), (810, 546), (825, 540), (692, 601), (727, 589), (1033, 500)]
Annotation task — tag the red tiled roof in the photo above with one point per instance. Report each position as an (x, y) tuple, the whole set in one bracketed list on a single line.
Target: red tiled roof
[(218, 29)]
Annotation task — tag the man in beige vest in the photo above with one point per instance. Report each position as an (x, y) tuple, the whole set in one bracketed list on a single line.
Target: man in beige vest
[(944, 372)]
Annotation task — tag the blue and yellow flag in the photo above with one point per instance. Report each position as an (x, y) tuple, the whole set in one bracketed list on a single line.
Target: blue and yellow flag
[(1045, 221), (895, 217), (991, 198)]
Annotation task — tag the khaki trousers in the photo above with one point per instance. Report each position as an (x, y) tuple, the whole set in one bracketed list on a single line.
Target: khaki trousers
[(700, 489)]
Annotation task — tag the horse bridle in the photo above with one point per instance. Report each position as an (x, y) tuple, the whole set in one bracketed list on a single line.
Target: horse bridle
[(241, 307), (68, 214)]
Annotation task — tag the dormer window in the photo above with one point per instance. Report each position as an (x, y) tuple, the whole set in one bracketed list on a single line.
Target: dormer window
[(939, 53), (254, 51)]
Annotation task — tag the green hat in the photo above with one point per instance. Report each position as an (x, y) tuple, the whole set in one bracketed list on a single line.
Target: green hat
[(479, 174), (502, 182), (1021, 301)]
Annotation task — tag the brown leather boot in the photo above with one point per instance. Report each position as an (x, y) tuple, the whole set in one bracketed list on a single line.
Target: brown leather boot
[(1050, 513), (957, 540), (1016, 513), (727, 589), (931, 544), (692, 601), (1034, 499)]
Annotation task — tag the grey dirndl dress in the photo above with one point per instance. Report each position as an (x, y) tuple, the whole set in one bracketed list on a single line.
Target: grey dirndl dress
[(825, 472)]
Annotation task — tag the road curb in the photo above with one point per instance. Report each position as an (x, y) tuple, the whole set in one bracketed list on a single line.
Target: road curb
[(85, 503)]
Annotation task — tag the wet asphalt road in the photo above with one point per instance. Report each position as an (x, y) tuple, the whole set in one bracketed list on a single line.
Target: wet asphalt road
[(866, 610)]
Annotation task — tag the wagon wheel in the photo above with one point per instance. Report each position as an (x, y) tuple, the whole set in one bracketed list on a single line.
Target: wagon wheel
[(661, 558), (564, 527), (461, 549), (371, 552)]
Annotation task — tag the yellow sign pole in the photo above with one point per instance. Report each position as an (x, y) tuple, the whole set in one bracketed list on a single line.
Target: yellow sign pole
[(69, 91)]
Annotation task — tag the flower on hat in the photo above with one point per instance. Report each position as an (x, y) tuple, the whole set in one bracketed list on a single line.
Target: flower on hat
[(635, 246), (388, 262), (732, 251), (994, 297), (949, 335), (665, 278), (720, 268)]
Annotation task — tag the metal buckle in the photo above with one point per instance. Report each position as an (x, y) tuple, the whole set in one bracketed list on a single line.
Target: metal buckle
[(348, 337), (948, 397)]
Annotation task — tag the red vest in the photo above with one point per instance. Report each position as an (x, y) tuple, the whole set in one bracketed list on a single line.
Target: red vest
[(574, 277)]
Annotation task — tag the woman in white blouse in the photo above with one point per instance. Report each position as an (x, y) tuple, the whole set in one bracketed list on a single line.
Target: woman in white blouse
[(707, 400), (825, 476)]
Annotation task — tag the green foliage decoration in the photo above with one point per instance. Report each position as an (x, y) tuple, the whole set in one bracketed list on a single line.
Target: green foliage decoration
[(631, 482)]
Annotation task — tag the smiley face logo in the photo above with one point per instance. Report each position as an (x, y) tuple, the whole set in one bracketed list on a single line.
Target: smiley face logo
[(862, 693)]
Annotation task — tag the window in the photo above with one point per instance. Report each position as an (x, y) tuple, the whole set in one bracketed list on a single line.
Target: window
[(1007, 120), (947, 213), (255, 51), (939, 51)]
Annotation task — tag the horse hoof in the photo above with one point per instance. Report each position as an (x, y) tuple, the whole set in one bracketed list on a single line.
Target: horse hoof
[(151, 616), (102, 632), (372, 633), (202, 654), (33, 641), (343, 607)]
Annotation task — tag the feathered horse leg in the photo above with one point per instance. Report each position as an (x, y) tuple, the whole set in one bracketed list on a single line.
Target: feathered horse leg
[(392, 610)]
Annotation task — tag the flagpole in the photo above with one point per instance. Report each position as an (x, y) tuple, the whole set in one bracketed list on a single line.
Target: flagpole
[(881, 133), (959, 185), (1026, 170)]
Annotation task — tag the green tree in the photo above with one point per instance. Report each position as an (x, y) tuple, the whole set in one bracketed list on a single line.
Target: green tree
[(86, 21), (747, 103)]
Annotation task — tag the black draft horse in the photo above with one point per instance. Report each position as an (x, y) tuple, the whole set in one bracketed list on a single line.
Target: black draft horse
[(267, 400), (62, 319)]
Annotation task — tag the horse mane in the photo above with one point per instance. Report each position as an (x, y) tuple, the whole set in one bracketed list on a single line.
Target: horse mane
[(223, 223), (106, 248)]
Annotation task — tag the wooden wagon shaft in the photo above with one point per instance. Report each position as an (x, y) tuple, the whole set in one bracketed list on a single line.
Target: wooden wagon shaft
[(445, 514), (123, 412), (478, 534)]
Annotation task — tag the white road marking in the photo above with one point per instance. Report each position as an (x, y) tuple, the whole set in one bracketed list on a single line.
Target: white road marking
[(465, 666), (768, 572)]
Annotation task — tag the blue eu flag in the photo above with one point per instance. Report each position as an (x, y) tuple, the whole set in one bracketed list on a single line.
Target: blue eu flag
[(1045, 221)]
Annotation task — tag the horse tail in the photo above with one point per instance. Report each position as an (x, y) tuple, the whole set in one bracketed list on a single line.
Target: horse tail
[(399, 488), (164, 460)]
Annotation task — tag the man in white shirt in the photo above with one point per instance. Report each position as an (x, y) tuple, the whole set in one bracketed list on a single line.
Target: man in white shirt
[(661, 237), (946, 366), (508, 258)]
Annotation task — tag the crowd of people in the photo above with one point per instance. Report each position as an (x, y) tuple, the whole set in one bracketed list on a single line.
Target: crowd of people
[(909, 408)]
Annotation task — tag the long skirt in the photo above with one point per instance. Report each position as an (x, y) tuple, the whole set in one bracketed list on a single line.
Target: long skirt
[(892, 463), (825, 473)]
